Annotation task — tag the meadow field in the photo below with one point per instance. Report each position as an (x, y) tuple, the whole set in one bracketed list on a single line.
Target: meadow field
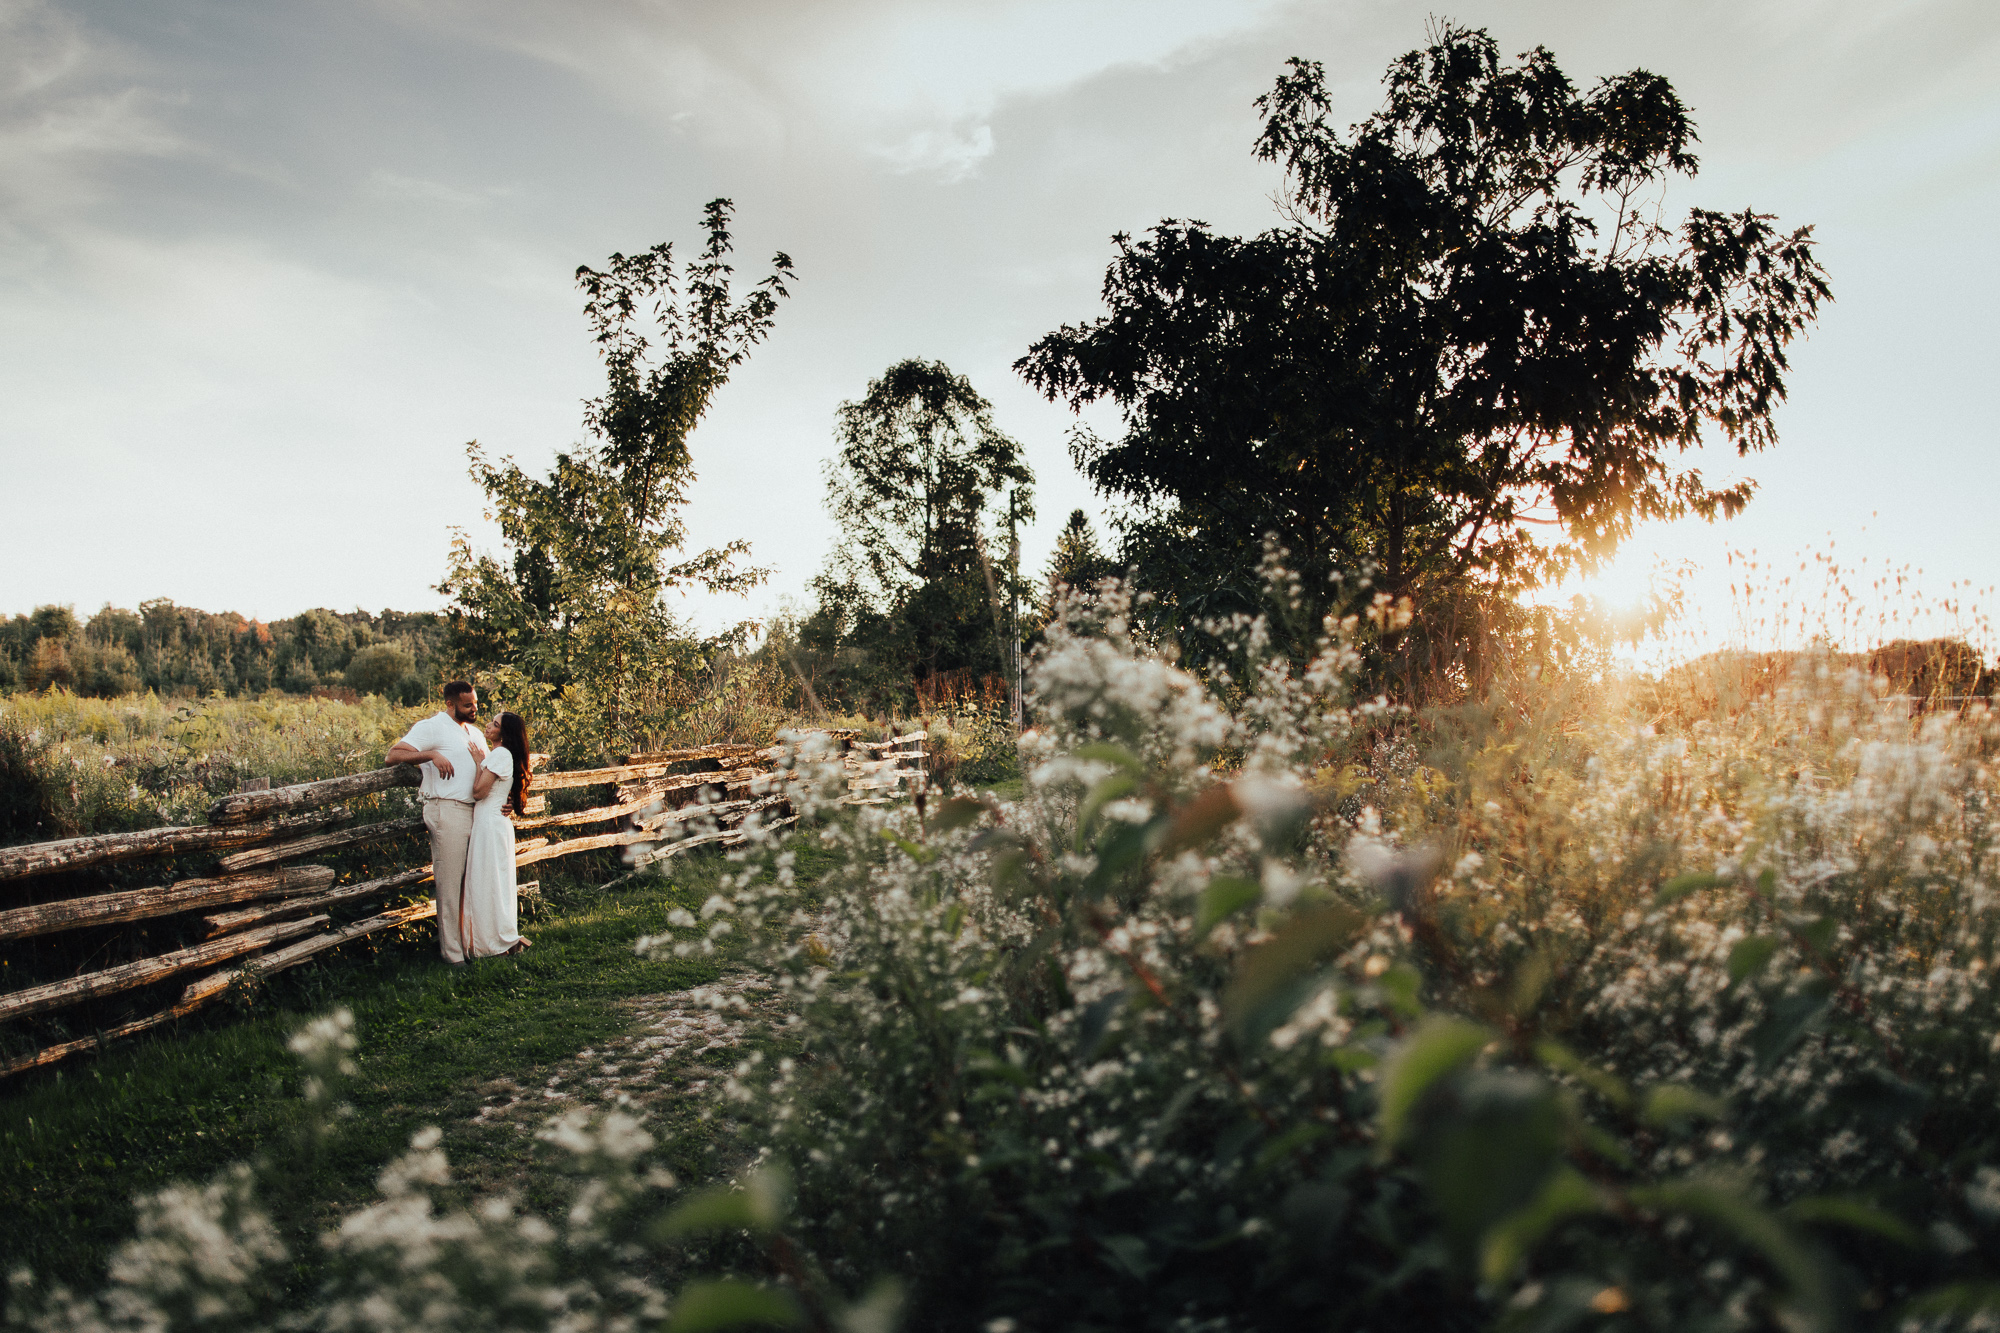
[(72, 765), (1646, 1001)]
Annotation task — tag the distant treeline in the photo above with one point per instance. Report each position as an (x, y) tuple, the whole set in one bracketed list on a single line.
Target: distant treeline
[(178, 650)]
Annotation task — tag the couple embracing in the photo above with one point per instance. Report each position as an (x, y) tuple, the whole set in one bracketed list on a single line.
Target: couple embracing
[(472, 782)]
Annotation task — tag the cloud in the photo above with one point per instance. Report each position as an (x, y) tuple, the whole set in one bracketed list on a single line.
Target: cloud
[(952, 153), (387, 184), (68, 108), (912, 84)]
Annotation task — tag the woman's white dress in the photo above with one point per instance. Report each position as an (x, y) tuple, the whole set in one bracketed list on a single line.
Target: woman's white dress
[(491, 919)]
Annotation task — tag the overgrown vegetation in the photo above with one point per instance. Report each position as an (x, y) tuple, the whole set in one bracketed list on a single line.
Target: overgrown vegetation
[(82, 765), (1297, 1012), (1262, 1008)]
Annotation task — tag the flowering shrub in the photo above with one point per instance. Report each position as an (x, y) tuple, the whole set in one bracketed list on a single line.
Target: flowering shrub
[(1267, 1008), (1566, 1021)]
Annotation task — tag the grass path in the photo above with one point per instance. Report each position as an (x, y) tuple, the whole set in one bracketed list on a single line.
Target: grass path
[(487, 1052)]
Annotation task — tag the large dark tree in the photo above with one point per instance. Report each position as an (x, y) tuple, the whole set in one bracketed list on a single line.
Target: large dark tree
[(1473, 356)]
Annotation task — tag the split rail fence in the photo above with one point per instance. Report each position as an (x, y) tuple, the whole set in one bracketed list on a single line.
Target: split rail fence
[(263, 911)]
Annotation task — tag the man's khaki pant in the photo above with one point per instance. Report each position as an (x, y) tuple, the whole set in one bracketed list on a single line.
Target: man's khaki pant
[(450, 823)]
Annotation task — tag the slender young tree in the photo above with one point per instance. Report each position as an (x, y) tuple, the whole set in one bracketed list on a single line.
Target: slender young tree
[(596, 544)]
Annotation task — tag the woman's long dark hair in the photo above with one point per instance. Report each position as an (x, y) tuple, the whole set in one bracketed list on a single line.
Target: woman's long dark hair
[(514, 735)]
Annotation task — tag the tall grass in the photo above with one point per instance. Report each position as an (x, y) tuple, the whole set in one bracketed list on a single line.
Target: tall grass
[(101, 765)]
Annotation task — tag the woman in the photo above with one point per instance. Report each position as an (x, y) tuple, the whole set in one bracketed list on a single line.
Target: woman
[(491, 925)]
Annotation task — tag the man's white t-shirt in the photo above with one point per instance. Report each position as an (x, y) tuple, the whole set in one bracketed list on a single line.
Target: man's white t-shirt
[(454, 740)]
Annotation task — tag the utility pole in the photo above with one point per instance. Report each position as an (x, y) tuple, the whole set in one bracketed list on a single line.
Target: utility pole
[(1014, 607)]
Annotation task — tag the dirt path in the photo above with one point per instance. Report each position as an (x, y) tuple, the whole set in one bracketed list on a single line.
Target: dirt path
[(677, 1046)]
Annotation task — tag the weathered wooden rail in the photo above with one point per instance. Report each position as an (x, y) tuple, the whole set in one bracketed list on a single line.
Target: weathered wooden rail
[(256, 909)]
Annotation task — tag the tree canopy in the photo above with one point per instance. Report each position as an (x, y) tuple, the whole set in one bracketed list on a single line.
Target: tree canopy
[(578, 612), (913, 581), (1473, 355)]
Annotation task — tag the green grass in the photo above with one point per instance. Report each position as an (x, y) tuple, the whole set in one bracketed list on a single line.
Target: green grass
[(77, 1143)]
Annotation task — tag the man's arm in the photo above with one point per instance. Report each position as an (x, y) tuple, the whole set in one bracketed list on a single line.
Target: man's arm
[(402, 752)]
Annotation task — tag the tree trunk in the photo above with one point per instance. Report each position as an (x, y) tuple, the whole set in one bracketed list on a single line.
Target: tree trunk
[(74, 990), (224, 922), (240, 807), (137, 904), (47, 858), (321, 842)]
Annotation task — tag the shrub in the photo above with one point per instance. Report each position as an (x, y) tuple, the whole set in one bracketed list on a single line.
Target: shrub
[(1589, 1023), (31, 809), (378, 668)]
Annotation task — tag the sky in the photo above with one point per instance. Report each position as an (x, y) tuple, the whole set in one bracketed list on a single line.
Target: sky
[(266, 268)]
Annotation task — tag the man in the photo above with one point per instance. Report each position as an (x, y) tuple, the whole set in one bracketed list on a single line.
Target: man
[(450, 748)]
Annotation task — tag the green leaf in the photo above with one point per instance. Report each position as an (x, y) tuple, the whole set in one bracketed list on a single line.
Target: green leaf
[(1440, 1046), (1670, 1105), (992, 1066), (987, 839), (1606, 1085), (1095, 1022), (1487, 1150), (721, 1303), (1855, 1216), (1959, 1299), (1818, 933), (1789, 1018), (758, 1206), (1104, 793), (1129, 1255), (1530, 979), (1269, 980), (1567, 1194), (1879, 1095), (877, 1312), (956, 813), (1287, 1143), (1352, 1059), (1680, 886), (1224, 896), (1722, 1204), (711, 1210), (1104, 752), (1116, 854), (1602, 1142), (1747, 959), (921, 855), (1399, 985)]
